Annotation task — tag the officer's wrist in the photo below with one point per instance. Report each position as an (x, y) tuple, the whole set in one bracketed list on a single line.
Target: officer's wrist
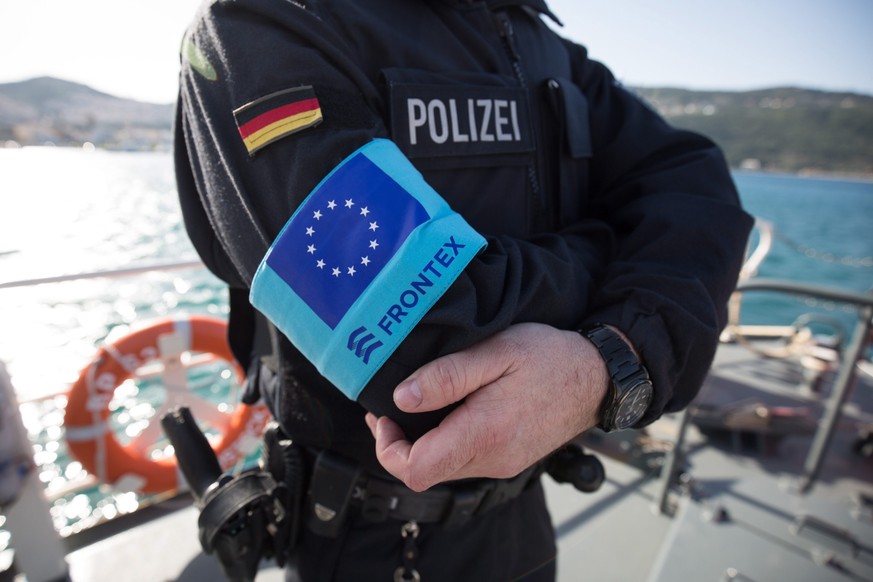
[(591, 381), (629, 387)]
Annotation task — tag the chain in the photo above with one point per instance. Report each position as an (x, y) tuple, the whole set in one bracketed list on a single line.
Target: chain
[(847, 261), (406, 572)]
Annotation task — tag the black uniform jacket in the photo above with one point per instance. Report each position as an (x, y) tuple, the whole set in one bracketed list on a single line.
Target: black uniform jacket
[(595, 210)]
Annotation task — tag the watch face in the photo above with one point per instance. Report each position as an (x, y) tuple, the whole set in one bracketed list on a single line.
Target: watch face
[(633, 406)]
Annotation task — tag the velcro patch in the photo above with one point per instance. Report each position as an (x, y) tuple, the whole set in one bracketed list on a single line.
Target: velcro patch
[(452, 120), (277, 115)]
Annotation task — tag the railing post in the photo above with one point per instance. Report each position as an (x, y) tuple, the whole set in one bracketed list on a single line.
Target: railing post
[(672, 462), (848, 364), (842, 387)]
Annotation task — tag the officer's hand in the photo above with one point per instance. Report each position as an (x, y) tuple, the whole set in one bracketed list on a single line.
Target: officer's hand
[(528, 390)]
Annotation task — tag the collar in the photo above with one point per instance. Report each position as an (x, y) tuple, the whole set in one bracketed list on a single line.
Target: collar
[(539, 6)]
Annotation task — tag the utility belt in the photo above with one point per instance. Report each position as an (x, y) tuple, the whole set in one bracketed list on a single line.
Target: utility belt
[(258, 514), (339, 486)]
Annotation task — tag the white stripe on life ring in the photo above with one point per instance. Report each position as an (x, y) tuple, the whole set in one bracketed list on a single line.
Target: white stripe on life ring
[(174, 344), (86, 433), (183, 328)]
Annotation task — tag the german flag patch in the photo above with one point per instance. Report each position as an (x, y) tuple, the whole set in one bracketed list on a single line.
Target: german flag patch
[(276, 115)]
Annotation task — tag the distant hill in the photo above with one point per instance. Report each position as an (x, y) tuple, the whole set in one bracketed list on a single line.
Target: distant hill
[(781, 129), (785, 129), (52, 111)]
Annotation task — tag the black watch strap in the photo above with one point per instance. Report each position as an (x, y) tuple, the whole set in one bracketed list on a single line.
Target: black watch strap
[(624, 368)]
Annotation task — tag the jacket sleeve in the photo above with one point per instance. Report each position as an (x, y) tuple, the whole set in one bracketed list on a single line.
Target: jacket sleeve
[(680, 236), (656, 187), (657, 254)]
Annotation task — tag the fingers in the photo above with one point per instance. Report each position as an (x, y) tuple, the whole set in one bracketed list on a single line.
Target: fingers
[(392, 448), (436, 457), (525, 391), (371, 420), (451, 378)]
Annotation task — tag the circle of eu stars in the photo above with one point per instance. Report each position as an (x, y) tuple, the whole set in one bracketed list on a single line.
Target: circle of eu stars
[(348, 205)]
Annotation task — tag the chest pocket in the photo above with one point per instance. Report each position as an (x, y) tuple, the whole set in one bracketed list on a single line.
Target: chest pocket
[(473, 137), (570, 113)]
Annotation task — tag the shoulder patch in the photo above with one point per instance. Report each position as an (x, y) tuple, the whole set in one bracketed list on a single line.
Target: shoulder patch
[(198, 61), (274, 116)]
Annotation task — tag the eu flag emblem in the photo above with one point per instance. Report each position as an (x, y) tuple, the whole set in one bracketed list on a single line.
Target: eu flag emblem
[(360, 262), (343, 236)]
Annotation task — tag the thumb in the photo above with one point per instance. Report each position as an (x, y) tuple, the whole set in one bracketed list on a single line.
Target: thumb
[(451, 378)]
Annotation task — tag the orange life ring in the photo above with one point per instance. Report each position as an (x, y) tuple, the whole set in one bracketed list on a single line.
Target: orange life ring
[(86, 421)]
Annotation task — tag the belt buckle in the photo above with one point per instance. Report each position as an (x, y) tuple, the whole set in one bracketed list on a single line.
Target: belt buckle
[(378, 501), (465, 501)]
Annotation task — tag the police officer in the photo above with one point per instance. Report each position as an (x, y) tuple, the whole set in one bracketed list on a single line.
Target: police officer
[(556, 258)]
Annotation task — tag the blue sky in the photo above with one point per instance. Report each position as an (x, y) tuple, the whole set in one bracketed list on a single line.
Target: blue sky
[(129, 47), (741, 44)]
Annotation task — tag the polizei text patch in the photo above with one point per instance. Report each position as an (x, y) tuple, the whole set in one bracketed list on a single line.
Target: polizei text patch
[(449, 120)]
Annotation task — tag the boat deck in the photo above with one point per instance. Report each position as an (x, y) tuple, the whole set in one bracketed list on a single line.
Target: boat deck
[(584, 523), (737, 512)]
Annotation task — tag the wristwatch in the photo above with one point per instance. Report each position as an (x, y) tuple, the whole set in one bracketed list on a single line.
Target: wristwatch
[(630, 389)]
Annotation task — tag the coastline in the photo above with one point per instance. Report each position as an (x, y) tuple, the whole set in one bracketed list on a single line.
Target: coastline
[(813, 173)]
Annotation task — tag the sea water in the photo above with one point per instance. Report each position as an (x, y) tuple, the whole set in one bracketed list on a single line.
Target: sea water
[(67, 211), (823, 236)]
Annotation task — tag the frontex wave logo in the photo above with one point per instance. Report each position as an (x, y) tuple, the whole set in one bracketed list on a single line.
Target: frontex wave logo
[(362, 345)]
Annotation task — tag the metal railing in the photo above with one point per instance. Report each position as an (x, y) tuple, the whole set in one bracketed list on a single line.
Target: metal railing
[(849, 360), (90, 480), (112, 273)]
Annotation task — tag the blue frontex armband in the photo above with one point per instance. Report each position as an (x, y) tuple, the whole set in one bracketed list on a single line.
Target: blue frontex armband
[(360, 262)]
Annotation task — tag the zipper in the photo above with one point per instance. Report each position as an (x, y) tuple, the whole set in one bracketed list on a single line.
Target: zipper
[(504, 28)]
